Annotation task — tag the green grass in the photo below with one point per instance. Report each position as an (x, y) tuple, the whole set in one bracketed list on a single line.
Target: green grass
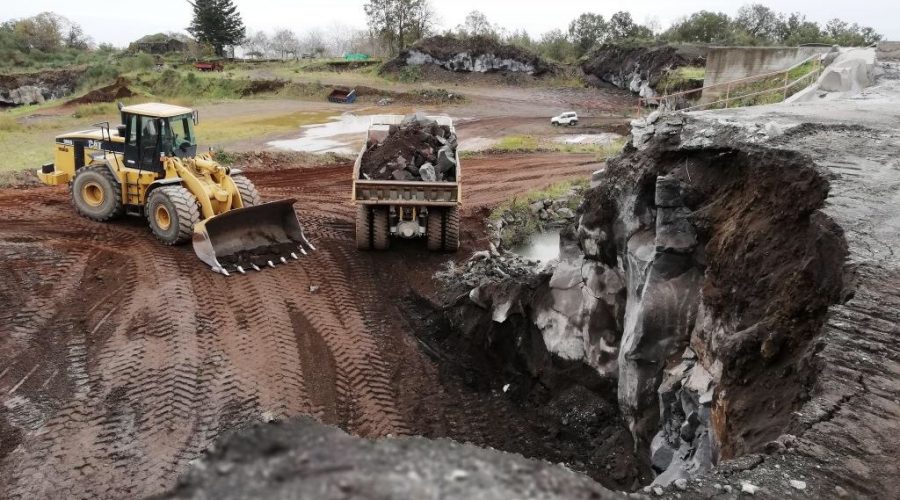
[(680, 79), (526, 222), (532, 144), (230, 129)]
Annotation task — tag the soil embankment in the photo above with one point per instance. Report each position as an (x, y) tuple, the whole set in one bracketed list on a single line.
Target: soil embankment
[(638, 68)]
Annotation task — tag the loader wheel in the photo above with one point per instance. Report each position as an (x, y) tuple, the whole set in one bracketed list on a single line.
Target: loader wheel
[(172, 212), (434, 235), (96, 193), (363, 227), (381, 228), (249, 195)]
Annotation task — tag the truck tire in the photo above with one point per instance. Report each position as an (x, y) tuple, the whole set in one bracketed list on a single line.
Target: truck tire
[(381, 228), (249, 195), (363, 227), (451, 229), (434, 234), (97, 194), (172, 212)]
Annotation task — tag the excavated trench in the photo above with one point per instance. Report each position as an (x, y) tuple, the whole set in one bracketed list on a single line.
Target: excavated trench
[(675, 331)]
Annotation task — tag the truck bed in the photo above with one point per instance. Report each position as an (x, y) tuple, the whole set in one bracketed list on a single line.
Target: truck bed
[(389, 192)]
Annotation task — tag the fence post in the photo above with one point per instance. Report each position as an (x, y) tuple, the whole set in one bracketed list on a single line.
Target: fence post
[(786, 75), (727, 94)]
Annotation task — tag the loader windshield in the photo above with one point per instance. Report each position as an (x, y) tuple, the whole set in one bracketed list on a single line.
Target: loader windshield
[(178, 136)]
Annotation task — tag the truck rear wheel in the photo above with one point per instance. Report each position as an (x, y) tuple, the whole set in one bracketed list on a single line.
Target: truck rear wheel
[(451, 229), (96, 193), (249, 195), (434, 234), (381, 228), (442, 231), (172, 212), (363, 227)]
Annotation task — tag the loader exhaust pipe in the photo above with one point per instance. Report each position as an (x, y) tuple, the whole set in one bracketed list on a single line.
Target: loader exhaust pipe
[(251, 237)]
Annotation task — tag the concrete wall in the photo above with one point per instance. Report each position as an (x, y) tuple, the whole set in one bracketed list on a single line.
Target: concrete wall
[(889, 51), (725, 64)]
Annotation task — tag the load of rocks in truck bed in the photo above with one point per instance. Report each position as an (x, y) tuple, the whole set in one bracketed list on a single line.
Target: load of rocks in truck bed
[(418, 149)]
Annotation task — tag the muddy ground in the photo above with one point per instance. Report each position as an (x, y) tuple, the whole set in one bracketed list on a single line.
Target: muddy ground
[(123, 359)]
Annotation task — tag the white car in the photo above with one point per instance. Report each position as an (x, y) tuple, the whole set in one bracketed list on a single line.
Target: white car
[(569, 118)]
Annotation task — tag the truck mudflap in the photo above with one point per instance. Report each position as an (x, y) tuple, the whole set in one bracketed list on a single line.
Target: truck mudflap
[(251, 238)]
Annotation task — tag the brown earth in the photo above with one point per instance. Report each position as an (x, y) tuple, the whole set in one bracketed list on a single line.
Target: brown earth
[(109, 93), (121, 359)]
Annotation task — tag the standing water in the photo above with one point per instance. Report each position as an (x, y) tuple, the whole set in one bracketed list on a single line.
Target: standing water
[(542, 246)]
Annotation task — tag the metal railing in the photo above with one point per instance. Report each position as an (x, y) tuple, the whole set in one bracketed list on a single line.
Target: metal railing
[(685, 101)]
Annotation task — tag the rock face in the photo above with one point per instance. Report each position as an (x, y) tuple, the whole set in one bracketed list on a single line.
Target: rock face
[(475, 54), (34, 88), (699, 270), (306, 460), (635, 68)]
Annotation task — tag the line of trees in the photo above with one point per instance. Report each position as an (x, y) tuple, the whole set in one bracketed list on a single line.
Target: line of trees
[(399, 23), (757, 24), (335, 41)]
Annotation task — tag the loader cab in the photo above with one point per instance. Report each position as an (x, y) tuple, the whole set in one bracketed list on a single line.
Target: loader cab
[(153, 131)]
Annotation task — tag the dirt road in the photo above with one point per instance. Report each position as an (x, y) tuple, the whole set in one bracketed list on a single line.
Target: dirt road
[(122, 359)]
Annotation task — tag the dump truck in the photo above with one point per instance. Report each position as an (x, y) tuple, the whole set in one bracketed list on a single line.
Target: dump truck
[(408, 209), (148, 166)]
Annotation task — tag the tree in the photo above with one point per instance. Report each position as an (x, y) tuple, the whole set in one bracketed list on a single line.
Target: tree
[(622, 27), (797, 30), (218, 23), (850, 35), (702, 27), (477, 24), (587, 30), (257, 45), (285, 42), (759, 23), (312, 43), (43, 32), (555, 45), (399, 23)]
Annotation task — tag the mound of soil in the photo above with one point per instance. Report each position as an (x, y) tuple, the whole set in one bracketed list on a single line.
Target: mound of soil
[(417, 148), (116, 90), (446, 48), (622, 65)]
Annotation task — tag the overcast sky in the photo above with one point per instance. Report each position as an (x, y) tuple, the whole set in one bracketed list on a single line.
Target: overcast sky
[(121, 21)]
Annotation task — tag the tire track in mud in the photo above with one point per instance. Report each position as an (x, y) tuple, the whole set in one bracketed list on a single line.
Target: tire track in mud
[(144, 363)]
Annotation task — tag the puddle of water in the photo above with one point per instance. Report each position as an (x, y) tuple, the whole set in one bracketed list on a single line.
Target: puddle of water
[(325, 137), (542, 247), (605, 138)]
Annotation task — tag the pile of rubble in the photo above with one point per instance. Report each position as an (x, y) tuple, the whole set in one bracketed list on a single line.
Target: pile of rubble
[(487, 266), (419, 149)]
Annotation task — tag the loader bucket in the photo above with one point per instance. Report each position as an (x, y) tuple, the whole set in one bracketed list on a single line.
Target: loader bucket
[(251, 238)]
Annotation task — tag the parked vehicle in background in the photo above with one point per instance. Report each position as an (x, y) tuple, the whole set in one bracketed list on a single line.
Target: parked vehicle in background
[(342, 96), (209, 66), (569, 118)]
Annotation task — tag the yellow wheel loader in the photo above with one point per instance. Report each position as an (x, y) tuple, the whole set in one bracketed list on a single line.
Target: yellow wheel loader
[(148, 166)]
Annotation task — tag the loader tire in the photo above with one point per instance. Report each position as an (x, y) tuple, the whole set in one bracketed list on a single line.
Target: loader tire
[(434, 234), (363, 227), (172, 212), (97, 194), (451, 229), (381, 228), (249, 195)]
